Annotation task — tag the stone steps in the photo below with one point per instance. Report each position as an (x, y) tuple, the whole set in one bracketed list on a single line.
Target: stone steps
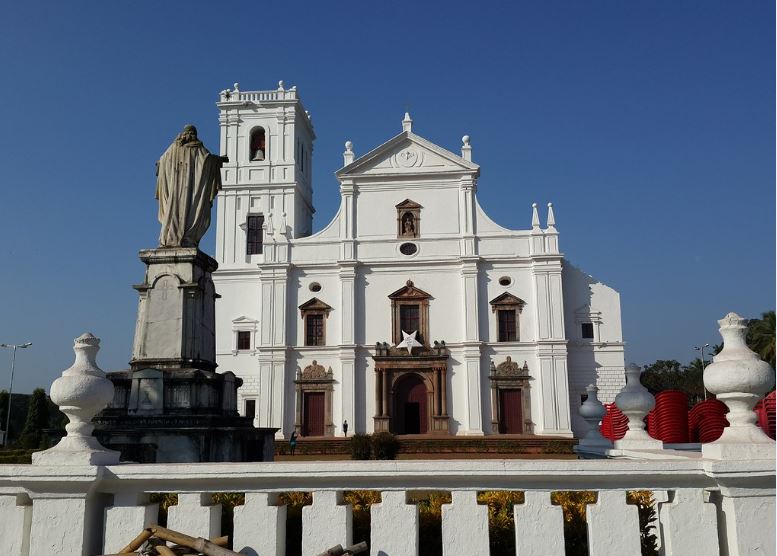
[(427, 444)]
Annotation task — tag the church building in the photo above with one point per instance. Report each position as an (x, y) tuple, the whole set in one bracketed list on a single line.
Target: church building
[(411, 311)]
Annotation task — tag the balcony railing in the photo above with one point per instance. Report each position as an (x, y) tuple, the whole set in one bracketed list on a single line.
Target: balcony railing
[(709, 507)]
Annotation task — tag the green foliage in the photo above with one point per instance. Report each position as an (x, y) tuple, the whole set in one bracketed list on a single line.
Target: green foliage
[(501, 519), (671, 375), (646, 507), (760, 336), (3, 408), (37, 420), (361, 446), (384, 445), (573, 505)]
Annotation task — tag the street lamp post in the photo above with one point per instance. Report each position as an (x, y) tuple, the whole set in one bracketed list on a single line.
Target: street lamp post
[(701, 349), (13, 347)]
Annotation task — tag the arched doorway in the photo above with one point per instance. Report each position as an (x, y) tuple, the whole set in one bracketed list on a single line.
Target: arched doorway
[(411, 413)]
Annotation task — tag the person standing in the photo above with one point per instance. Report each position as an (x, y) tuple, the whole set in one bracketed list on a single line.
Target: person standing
[(345, 428), (293, 442)]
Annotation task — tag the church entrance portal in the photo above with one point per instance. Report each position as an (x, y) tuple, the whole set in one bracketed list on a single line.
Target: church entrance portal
[(411, 410)]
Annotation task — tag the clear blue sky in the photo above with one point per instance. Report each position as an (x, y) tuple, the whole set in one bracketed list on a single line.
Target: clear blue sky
[(650, 125)]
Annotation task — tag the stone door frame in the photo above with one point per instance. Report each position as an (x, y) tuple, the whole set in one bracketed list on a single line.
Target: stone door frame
[(391, 366), (509, 375), (314, 378)]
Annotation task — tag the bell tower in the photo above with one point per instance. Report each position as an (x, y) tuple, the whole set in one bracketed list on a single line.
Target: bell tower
[(267, 184)]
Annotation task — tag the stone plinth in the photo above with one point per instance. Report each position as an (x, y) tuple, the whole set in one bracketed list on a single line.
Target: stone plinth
[(176, 314), (171, 405)]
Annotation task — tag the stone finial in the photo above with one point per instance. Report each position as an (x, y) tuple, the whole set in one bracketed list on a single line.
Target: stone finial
[(466, 148), (348, 155), (236, 88), (268, 228), (280, 86), (535, 217), (592, 411), (407, 123), (551, 218), (283, 228), (738, 378), (81, 392), (636, 402)]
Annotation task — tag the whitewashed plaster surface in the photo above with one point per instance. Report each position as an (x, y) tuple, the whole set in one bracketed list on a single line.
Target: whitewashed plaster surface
[(462, 254)]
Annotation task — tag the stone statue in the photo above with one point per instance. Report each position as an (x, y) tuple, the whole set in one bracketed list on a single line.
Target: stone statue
[(188, 178)]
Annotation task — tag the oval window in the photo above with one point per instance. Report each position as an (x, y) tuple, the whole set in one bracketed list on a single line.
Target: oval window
[(408, 248), (315, 287), (505, 281)]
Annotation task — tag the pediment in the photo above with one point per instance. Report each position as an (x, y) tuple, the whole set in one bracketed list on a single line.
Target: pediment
[(507, 299), (409, 291), (244, 320), (408, 153), (408, 204), (315, 304)]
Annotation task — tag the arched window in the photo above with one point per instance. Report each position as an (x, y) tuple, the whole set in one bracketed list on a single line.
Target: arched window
[(258, 144)]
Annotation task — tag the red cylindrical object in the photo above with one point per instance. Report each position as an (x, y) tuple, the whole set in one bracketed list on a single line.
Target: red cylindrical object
[(709, 418), (672, 416)]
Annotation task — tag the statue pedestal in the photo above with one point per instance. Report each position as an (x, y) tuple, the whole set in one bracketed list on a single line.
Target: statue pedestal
[(171, 405), (176, 315)]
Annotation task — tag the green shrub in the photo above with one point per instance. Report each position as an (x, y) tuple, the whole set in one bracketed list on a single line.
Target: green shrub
[(384, 446), (361, 446)]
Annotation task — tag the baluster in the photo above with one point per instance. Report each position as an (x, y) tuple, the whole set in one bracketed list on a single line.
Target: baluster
[(464, 525), (689, 524), (195, 516), (393, 514), (539, 526), (613, 525), (15, 519), (326, 523), (260, 525), (129, 515)]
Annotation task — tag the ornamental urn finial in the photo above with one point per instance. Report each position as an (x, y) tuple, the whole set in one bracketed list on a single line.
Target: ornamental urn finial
[(738, 378), (81, 392), (635, 402), (592, 411)]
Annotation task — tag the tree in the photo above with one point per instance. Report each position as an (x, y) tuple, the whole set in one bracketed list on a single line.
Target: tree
[(37, 420), (3, 408), (760, 336), (671, 375)]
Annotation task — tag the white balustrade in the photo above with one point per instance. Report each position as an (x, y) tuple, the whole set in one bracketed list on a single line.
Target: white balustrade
[(131, 513), (67, 502), (393, 514), (260, 525), (539, 526), (464, 525), (196, 515), (15, 519), (326, 523), (613, 525)]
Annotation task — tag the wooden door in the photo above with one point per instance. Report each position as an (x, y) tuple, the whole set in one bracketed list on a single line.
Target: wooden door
[(313, 414), (510, 411)]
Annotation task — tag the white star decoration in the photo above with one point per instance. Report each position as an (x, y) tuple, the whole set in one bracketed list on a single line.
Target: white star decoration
[(409, 342)]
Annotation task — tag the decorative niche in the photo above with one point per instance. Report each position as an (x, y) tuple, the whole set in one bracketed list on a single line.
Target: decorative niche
[(408, 219)]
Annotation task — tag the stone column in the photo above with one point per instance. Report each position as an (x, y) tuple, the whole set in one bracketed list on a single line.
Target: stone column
[(444, 392), (386, 409), (378, 392), (436, 385)]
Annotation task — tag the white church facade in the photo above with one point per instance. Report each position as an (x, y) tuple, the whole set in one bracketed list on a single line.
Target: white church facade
[(510, 332)]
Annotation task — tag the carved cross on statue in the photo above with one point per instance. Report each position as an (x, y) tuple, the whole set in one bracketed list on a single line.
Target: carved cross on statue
[(409, 342)]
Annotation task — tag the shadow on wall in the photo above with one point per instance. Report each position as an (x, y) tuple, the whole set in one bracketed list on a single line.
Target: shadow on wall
[(582, 366)]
